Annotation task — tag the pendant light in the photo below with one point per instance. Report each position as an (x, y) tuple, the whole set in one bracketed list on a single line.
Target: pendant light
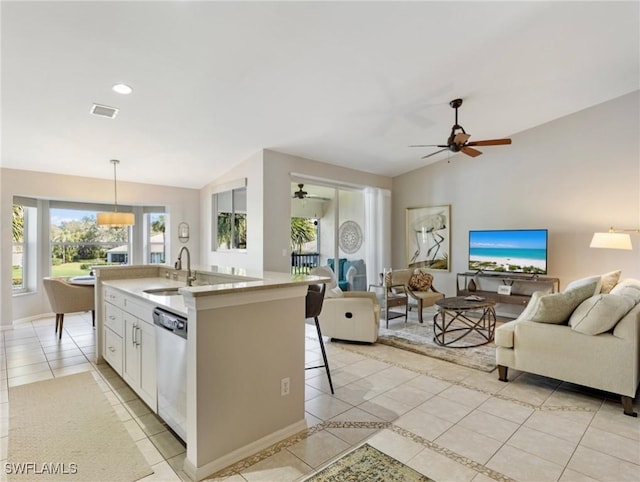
[(115, 218)]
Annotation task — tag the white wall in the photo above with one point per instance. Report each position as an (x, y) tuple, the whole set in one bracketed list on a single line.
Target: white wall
[(268, 176), (251, 258), (181, 204), (350, 208), (575, 175)]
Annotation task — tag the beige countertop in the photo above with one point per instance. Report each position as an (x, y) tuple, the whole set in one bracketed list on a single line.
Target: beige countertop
[(176, 304)]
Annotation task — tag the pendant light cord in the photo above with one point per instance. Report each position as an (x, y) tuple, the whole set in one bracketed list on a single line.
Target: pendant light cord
[(115, 162)]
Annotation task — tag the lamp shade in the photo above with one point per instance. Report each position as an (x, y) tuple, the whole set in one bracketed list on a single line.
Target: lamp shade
[(611, 241), (115, 219)]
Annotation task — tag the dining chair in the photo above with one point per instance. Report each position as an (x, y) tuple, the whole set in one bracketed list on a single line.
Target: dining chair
[(67, 298)]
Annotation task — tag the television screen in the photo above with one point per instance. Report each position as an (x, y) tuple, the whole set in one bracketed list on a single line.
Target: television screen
[(509, 251)]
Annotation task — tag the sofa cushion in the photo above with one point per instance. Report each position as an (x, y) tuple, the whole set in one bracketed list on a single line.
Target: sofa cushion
[(420, 281), (557, 307), (531, 307), (600, 313), (628, 287), (609, 280), (595, 281)]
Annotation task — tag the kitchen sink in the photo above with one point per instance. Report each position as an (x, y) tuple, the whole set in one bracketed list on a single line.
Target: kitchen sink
[(163, 291)]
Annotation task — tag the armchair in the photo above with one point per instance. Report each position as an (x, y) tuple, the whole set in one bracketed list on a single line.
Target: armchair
[(350, 316), (418, 285)]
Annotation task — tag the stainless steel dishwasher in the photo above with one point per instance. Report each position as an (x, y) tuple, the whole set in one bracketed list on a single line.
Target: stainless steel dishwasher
[(171, 358)]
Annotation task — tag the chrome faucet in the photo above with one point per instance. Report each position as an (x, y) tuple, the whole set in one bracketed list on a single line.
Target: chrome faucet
[(178, 265)]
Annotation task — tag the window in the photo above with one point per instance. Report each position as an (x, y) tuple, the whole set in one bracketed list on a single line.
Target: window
[(231, 219), (156, 242), (19, 250), (77, 242)]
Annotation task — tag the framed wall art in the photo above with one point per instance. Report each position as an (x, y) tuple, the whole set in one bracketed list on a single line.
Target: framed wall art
[(428, 237)]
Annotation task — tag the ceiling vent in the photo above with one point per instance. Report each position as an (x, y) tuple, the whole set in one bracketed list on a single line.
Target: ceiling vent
[(104, 111)]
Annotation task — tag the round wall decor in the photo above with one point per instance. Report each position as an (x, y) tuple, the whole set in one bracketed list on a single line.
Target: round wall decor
[(350, 236)]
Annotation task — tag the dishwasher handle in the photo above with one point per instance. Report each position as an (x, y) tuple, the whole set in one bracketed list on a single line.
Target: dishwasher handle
[(170, 322)]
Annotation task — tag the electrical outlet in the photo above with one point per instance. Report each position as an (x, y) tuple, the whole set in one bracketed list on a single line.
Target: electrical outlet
[(285, 386)]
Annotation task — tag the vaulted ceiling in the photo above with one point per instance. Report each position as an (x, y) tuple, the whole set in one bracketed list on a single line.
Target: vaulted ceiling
[(348, 83)]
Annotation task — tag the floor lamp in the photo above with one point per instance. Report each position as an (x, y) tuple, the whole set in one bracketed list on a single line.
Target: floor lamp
[(613, 239)]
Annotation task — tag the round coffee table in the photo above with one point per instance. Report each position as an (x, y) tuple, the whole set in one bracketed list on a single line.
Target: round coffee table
[(451, 320)]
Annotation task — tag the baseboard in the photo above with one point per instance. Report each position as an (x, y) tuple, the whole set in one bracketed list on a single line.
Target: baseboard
[(29, 319), (199, 473)]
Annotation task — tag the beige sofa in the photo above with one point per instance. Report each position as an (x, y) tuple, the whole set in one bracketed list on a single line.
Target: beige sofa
[(590, 338)]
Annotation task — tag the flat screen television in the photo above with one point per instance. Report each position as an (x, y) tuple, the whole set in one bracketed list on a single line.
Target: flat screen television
[(508, 251)]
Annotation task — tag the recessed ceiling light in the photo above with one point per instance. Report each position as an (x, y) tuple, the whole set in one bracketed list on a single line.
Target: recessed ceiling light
[(122, 89)]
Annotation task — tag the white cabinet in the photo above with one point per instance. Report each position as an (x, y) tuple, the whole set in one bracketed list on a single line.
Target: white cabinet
[(113, 326), (130, 343), (113, 349), (139, 364)]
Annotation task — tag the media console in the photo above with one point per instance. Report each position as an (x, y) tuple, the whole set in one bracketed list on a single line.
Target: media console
[(522, 286)]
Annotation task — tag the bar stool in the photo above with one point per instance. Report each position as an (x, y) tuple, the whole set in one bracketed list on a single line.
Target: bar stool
[(313, 307)]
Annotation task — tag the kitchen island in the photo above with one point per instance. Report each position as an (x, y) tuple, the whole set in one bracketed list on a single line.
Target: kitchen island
[(245, 343)]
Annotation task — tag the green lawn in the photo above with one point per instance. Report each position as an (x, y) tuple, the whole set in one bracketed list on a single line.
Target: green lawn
[(62, 270), (70, 269)]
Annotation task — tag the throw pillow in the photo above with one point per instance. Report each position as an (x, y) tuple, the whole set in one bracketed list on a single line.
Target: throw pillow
[(628, 287), (557, 307), (420, 281), (532, 306), (609, 280), (594, 281), (600, 313)]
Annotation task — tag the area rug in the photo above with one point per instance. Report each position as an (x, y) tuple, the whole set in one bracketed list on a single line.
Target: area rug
[(418, 338), (66, 429), (367, 463)]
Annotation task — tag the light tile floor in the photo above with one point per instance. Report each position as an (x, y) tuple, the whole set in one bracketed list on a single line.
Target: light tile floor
[(446, 421)]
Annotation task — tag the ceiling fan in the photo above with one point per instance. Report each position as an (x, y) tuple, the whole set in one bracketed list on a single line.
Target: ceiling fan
[(457, 141), (302, 194)]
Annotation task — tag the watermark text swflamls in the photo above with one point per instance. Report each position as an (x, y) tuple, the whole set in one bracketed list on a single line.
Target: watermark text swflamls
[(40, 468)]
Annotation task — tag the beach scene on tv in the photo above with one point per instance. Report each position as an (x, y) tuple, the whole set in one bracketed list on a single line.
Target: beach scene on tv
[(515, 251)]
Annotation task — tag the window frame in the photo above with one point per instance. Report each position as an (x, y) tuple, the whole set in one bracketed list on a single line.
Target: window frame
[(232, 190)]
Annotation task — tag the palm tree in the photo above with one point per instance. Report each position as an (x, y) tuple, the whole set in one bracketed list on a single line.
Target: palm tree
[(159, 226), (17, 225), (303, 230)]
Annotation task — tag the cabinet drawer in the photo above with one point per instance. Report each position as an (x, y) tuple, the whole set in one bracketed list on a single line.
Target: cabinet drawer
[(113, 318), (114, 297), (113, 350)]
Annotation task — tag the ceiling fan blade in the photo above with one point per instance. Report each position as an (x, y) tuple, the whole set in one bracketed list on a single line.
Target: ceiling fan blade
[(433, 153), (469, 151), (427, 145), (490, 142), (461, 138)]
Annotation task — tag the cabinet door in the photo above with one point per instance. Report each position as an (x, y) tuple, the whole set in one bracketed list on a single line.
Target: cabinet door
[(148, 387), (131, 362), (113, 350)]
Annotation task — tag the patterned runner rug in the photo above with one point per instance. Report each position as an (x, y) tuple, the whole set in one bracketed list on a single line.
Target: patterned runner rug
[(66, 429), (367, 463)]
